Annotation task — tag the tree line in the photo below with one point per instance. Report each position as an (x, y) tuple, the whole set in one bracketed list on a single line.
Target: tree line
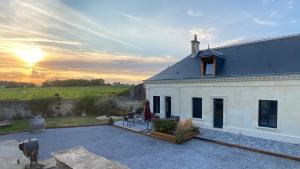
[(63, 83), (13, 84)]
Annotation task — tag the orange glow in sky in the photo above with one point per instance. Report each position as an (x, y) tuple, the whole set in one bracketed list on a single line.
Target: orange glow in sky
[(29, 55)]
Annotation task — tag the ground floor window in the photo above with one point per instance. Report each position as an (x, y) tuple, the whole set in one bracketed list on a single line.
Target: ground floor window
[(156, 104), (267, 113), (197, 107)]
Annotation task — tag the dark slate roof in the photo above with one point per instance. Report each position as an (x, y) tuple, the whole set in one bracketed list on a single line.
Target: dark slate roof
[(209, 52), (265, 57)]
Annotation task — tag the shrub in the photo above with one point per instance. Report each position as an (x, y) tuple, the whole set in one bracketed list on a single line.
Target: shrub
[(110, 121), (38, 106), (184, 127), (180, 133), (164, 126), (195, 129), (107, 106), (87, 105), (139, 110), (18, 116), (186, 123), (2, 116), (91, 105)]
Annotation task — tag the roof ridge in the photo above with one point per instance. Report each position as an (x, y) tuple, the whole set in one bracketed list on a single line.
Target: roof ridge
[(257, 41)]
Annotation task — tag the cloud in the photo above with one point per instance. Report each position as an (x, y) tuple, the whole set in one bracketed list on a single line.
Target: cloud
[(264, 22), (267, 1), (273, 13), (291, 4), (204, 34), (82, 27), (293, 21), (76, 43), (131, 17), (11, 75), (193, 13), (231, 41), (38, 75)]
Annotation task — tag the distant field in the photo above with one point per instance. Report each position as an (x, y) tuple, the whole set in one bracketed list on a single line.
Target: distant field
[(64, 92)]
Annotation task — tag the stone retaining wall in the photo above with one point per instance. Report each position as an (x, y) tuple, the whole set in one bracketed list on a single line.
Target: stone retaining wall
[(21, 109)]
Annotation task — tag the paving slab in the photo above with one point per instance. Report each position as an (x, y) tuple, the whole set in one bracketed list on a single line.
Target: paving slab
[(278, 147), (138, 126), (80, 158), (11, 157)]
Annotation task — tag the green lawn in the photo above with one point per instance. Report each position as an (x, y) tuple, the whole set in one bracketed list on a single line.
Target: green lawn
[(64, 92), (19, 125), (73, 121)]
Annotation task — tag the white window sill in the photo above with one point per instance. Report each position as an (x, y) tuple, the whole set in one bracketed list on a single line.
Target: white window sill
[(267, 128), (198, 119)]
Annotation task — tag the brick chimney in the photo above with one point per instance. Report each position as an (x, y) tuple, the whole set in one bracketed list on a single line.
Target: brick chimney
[(195, 46)]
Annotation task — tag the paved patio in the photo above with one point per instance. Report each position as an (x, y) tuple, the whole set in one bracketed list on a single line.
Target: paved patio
[(241, 140), (252, 142), (138, 151), (138, 126)]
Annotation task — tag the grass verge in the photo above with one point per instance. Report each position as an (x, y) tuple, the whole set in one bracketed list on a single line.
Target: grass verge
[(53, 122), (17, 125)]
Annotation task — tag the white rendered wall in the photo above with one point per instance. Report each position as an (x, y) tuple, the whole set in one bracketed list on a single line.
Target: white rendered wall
[(240, 105)]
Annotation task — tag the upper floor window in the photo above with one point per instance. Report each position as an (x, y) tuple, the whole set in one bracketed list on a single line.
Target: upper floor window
[(209, 69), (267, 113), (211, 62), (208, 65)]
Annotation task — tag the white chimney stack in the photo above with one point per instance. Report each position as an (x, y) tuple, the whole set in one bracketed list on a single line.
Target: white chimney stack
[(195, 46)]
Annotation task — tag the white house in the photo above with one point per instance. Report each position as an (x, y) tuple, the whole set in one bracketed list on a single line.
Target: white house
[(249, 88)]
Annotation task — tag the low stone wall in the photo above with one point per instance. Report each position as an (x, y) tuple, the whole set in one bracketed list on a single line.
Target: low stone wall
[(14, 109), (23, 109)]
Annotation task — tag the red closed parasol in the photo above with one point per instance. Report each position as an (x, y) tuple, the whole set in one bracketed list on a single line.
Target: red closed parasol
[(147, 113)]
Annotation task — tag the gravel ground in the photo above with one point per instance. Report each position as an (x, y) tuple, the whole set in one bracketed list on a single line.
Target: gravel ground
[(142, 152)]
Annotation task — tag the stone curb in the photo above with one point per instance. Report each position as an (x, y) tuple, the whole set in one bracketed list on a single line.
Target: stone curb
[(13, 132), (249, 149), (132, 130), (87, 125)]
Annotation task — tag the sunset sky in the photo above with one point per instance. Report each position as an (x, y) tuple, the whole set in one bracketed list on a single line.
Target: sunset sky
[(126, 40)]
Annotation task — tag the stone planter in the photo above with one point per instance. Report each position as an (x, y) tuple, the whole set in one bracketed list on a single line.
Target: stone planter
[(172, 138), (36, 124)]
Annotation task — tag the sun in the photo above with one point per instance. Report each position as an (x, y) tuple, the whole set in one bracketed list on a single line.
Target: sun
[(30, 55)]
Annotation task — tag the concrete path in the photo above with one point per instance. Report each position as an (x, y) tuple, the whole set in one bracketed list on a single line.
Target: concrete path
[(138, 151), (11, 157)]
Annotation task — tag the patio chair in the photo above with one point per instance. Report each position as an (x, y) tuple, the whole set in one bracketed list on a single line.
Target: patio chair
[(129, 118), (154, 116), (176, 118), (125, 119), (139, 118)]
